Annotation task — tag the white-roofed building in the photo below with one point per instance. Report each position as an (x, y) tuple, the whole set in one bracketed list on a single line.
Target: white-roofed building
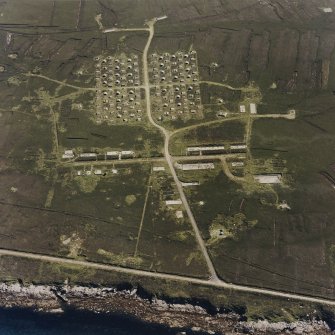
[(327, 9), (238, 147), (269, 178), (173, 202), (193, 183), (242, 109), (127, 154), (158, 168), (206, 149), (195, 166), (68, 154), (112, 154), (237, 164), (253, 108), (179, 214)]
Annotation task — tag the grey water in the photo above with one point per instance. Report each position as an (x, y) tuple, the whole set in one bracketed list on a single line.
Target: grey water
[(26, 322)]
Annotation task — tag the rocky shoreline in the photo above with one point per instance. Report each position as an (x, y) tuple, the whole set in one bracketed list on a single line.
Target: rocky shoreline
[(185, 318)]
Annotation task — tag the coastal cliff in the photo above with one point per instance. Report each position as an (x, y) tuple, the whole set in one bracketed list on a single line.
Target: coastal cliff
[(185, 318)]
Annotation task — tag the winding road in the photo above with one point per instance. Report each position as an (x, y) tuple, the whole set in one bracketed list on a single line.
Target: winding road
[(166, 133)]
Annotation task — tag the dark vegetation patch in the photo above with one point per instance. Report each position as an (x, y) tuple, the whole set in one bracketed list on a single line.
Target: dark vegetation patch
[(221, 133), (291, 47)]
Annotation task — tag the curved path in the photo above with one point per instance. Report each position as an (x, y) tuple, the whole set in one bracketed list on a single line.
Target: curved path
[(166, 133), (29, 74), (214, 83), (228, 173), (115, 30), (160, 275)]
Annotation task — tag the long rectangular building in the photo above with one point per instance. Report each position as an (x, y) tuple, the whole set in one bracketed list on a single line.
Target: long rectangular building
[(88, 156), (253, 108), (269, 178), (173, 202), (195, 166), (206, 149), (127, 154), (238, 146)]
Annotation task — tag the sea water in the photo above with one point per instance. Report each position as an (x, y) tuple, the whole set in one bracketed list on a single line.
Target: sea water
[(25, 322)]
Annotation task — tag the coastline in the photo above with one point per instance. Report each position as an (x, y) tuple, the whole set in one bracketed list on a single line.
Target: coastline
[(135, 304)]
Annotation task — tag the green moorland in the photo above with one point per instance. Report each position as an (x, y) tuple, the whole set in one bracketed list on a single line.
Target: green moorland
[(122, 218)]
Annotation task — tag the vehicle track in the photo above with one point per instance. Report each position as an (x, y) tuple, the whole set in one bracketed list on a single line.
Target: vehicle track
[(213, 276)]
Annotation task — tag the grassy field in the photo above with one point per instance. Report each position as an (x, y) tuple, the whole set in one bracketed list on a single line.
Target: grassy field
[(298, 243), (211, 97), (249, 306), (81, 132), (99, 218), (105, 198), (286, 52), (214, 134), (169, 241), (284, 237)]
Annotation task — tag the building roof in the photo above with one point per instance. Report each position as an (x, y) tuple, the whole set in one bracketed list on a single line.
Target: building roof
[(196, 166), (68, 152), (173, 202), (212, 148), (269, 178), (179, 214), (88, 154), (253, 108), (238, 146), (236, 164), (158, 168), (112, 153)]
